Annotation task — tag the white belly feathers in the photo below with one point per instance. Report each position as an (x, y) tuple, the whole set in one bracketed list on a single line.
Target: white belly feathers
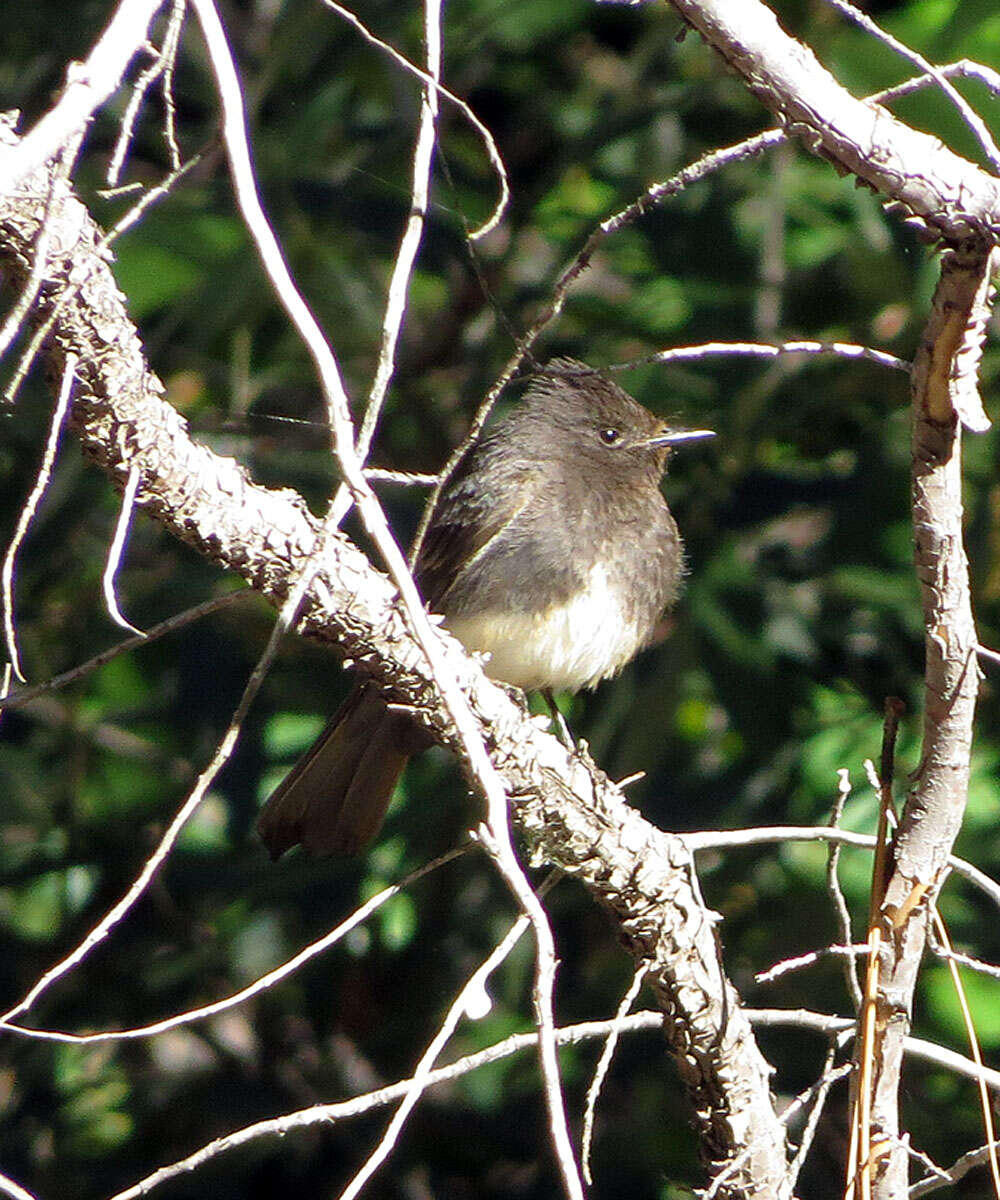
[(572, 646)]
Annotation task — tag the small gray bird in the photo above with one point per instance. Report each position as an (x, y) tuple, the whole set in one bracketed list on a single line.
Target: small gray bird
[(551, 550)]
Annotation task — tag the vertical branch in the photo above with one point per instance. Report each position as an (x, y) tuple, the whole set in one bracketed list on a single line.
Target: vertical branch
[(943, 394), (423, 155)]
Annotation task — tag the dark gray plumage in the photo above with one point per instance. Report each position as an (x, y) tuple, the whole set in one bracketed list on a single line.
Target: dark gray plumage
[(551, 549)]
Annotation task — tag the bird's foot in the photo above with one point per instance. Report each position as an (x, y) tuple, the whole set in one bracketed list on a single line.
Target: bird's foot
[(559, 721)]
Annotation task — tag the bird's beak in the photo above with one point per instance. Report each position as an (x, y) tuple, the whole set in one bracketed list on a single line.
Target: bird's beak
[(670, 437)]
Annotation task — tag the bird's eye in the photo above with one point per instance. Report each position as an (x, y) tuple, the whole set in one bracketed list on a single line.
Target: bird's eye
[(610, 436)]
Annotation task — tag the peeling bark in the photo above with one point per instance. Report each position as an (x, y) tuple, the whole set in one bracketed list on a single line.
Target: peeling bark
[(943, 382)]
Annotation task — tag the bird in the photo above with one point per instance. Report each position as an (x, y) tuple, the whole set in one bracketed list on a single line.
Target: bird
[(551, 552)]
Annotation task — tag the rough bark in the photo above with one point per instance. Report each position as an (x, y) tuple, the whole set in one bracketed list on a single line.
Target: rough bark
[(949, 195), (943, 387), (951, 199)]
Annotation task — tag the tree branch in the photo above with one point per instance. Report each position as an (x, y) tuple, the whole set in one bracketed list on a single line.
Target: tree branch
[(944, 192), (944, 371)]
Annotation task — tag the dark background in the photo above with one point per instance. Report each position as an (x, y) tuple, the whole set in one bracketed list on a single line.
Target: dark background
[(801, 612)]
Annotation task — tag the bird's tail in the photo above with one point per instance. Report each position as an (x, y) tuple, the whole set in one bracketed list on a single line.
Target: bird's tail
[(335, 798)]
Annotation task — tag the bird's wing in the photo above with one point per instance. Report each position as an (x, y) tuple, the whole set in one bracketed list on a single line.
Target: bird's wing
[(468, 522)]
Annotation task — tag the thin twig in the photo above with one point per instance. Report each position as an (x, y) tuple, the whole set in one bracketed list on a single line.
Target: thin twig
[(177, 621), (88, 86), (836, 892), (765, 350), (28, 511), (964, 960), (358, 917), (722, 839), (603, 1065), (925, 1160), (845, 1029), (421, 1076), (403, 478), (974, 121), (14, 1190), (164, 59), (171, 43), (787, 965), (402, 269), (828, 1077), (970, 1029), (500, 208), (40, 255), (116, 549), (964, 68), (950, 1175), (72, 287)]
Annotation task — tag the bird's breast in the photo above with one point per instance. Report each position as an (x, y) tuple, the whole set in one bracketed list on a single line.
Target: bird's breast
[(572, 643)]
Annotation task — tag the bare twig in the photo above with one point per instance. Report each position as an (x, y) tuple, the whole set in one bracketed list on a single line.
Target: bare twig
[(977, 1058), (28, 511), (835, 891), (603, 1065), (72, 288), (721, 839), (422, 1075), (496, 161), (964, 960), (403, 478), (115, 552), (358, 917), (170, 625), (171, 41), (14, 1190), (958, 1170), (163, 62), (964, 68), (787, 965), (766, 350), (845, 1028), (829, 1075), (88, 85), (40, 257), (968, 113), (406, 254)]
